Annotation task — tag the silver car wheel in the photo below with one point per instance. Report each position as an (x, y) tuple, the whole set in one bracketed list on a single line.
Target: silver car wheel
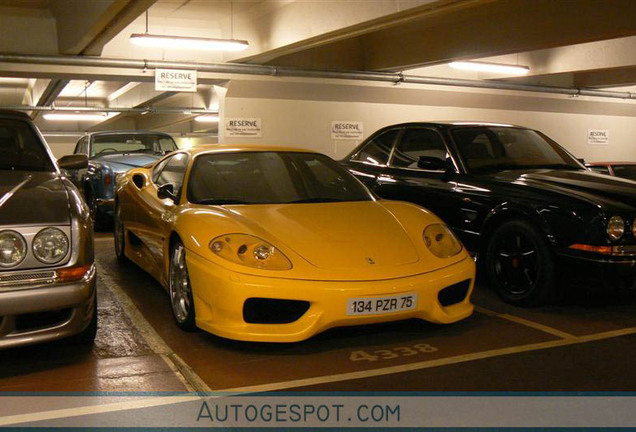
[(180, 292)]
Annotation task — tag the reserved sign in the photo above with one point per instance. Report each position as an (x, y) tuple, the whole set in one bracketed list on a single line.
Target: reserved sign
[(598, 136), (243, 128), (346, 130), (175, 80)]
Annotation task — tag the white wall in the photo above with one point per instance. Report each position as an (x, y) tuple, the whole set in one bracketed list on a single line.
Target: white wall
[(299, 114)]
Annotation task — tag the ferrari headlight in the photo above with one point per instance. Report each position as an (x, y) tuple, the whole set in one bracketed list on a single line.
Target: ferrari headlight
[(441, 241), (50, 246), (251, 251), (616, 227), (13, 249)]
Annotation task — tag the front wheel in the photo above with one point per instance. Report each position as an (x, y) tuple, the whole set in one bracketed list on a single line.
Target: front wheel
[(519, 264), (180, 288)]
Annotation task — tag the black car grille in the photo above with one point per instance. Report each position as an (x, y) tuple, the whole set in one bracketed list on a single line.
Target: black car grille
[(454, 294), (40, 320), (273, 311)]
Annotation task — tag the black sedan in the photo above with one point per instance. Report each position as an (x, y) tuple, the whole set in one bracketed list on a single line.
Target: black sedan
[(522, 203)]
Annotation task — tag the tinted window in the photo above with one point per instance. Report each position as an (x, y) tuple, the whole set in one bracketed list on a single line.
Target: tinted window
[(131, 143), (173, 172), (625, 171), (495, 148), (377, 151), (416, 143), (21, 148), (271, 178), (600, 169)]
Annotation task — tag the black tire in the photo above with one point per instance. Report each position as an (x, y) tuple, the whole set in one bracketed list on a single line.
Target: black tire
[(119, 234), (96, 215), (179, 288), (87, 336), (518, 264)]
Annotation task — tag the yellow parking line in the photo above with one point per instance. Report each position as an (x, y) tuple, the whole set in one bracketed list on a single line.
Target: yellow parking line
[(527, 323)]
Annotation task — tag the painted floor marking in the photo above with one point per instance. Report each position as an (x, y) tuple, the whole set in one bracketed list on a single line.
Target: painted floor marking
[(181, 369), (527, 323), (160, 401)]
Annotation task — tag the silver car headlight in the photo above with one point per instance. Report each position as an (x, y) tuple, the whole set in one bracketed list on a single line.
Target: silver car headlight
[(13, 249), (50, 245), (441, 241), (616, 227)]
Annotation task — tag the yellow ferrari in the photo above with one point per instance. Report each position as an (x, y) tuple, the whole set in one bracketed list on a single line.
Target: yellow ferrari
[(279, 244)]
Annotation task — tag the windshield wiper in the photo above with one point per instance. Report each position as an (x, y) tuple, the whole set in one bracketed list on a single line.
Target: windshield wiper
[(220, 202), (315, 200)]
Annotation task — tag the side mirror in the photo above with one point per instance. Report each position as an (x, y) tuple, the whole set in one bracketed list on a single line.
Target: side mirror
[(73, 162), (166, 191), (581, 160), (432, 163)]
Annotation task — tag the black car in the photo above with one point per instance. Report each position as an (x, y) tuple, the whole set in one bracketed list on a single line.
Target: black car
[(528, 208)]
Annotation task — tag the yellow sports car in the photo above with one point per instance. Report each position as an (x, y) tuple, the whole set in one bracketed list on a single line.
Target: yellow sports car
[(277, 245)]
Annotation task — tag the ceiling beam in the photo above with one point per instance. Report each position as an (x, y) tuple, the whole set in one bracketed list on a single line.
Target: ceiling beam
[(99, 21), (447, 30)]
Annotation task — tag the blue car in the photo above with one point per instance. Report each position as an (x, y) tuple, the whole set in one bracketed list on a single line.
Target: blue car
[(110, 155)]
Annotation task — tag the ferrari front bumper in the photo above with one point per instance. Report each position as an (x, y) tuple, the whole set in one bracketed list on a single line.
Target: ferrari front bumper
[(220, 296)]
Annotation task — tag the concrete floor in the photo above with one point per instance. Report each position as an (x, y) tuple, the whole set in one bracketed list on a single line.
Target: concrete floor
[(580, 346)]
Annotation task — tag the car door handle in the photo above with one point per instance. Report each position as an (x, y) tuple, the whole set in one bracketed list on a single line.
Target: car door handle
[(385, 179)]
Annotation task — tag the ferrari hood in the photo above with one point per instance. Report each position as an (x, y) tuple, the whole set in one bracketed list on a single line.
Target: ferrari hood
[(334, 236), (32, 198)]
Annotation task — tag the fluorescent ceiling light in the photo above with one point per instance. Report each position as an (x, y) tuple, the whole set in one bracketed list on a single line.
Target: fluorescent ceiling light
[(74, 117), (490, 67), (181, 42), (207, 118)]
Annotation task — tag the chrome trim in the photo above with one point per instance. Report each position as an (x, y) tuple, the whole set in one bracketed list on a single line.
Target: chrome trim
[(15, 279)]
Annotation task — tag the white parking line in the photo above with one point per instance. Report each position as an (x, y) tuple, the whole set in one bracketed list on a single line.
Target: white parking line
[(160, 401), (181, 369), (527, 323)]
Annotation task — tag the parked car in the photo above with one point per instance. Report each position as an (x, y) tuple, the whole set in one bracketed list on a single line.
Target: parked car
[(276, 245), (110, 155), (526, 206), (619, 169), (47, 276)]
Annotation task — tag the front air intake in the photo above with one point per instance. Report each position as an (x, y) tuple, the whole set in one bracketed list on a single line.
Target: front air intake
[(273, 311), (454, 294)]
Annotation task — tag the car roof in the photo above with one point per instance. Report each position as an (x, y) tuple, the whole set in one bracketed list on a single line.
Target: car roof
[(127, 132), (18, 114), (609, 163), (449, 123), (229, 148)]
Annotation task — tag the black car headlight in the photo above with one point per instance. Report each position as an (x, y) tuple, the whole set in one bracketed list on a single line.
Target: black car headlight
[(441, 241), (13, 248), (615, 227), (50, 246)]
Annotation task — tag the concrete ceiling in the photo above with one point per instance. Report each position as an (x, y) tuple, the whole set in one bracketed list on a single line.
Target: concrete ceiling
[(569, 43)]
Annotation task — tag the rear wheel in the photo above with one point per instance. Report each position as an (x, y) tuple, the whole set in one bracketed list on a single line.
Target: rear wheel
[(180, 288), (519, 264), (119, 235)]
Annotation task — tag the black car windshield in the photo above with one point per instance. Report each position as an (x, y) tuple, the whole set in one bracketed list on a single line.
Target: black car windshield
[(21, 149), (131, 143), (625, 171), (271, 178), (496, 148)]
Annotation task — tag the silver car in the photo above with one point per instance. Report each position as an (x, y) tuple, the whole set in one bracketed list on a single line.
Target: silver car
[(47, 272)]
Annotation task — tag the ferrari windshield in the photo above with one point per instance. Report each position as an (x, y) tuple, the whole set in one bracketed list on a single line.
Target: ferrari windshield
[(131, 143), (21, 149), (271, 178), (494, 148)]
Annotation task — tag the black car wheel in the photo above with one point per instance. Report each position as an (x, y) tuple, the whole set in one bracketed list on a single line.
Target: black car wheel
[(91, 201), (180, 289), (119, 235), (519, 264)]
